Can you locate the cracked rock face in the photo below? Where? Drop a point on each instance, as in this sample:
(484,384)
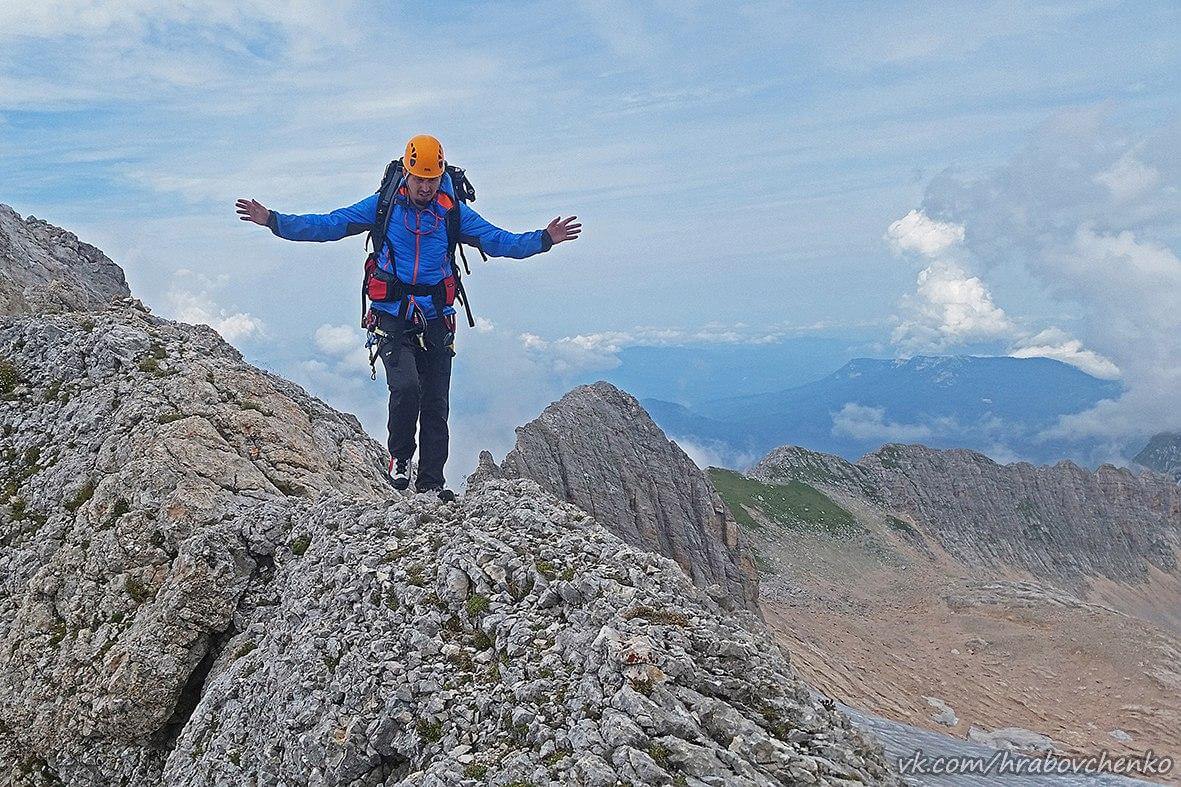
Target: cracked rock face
(596,447)
(1058,522)
(204,579)
(47,269)
(507,639)
(1163,454)
(134,454)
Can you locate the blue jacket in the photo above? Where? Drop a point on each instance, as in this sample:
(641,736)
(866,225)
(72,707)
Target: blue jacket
(417,236)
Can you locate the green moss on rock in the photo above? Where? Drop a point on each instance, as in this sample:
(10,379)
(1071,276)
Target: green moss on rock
(81,496)
(795,504)
(301,543)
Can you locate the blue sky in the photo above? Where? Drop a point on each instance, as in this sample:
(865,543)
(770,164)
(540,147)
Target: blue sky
(744,173)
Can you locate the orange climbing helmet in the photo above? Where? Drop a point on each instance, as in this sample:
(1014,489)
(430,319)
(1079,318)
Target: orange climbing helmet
(424,157)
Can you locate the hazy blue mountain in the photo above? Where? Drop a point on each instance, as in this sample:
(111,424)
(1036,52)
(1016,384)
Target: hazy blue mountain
(693,375)
(997,405)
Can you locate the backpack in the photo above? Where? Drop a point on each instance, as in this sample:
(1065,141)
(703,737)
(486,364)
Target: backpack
(378,285)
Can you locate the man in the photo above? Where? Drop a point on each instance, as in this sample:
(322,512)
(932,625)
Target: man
(415,320)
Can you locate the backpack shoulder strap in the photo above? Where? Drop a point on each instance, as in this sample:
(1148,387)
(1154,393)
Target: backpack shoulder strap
(454,246)
(390,180)
(385,202)
(464,192)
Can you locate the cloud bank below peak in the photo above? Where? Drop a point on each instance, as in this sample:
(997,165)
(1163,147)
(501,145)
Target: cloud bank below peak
(1089,212)
(952,307)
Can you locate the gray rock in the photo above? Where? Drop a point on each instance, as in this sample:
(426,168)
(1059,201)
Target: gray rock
(593,771)
(47,269)
(597,448)
(205,580)
(1060,523)
(1011,738)
(943,712)
(1162,454)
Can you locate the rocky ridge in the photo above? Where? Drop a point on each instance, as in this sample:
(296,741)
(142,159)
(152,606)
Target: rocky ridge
(47,269)
(1043,600)
(205,580)
(134,452)
(507,639)
(596,447)
(1060,523)
(1162,454)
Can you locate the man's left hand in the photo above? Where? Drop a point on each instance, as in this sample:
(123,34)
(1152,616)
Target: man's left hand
(563,229)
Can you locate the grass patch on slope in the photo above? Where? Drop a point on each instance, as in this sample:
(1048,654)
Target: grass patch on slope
(794,504)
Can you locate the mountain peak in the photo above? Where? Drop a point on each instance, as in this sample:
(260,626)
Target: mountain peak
(1162,454)
(998,404)
(597,447)
(47,269)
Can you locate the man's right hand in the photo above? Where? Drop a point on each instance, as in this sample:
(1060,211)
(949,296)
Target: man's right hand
(252,210)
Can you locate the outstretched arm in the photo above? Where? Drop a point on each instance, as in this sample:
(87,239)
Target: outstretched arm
(338,224)
(475,231)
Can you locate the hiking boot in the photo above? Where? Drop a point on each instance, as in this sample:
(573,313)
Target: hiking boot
(446,495)
(399,472)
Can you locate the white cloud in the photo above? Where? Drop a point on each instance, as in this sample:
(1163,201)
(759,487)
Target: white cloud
(574,355)
(706,455)
(338,339)
(1003,454)
(1084,208)
(950,307)
(1057,344)
(126,50)
(141,20)
(1125,422)
(916,232)
(198,309)
(1132,288)
(701,455)
(235,327)
(592,352)
(869,423)
(1120,260)
(1128,178)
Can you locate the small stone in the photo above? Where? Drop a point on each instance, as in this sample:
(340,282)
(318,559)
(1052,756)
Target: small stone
(457,585)
(944,714)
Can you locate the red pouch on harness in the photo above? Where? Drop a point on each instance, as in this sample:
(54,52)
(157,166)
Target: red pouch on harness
(375,288)
(449,283)
(378,289)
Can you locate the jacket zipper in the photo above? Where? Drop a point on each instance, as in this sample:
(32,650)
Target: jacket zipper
(417,241)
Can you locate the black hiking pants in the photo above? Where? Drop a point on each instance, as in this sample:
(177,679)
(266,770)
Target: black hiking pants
(419,379)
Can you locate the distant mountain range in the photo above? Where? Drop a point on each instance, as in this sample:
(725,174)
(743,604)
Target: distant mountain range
(997,405)
(701,373)
(915,580)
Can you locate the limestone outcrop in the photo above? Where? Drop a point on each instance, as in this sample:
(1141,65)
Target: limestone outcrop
(597,448)
(1162,454)
(204,579)
(47,269)
(1058,522)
